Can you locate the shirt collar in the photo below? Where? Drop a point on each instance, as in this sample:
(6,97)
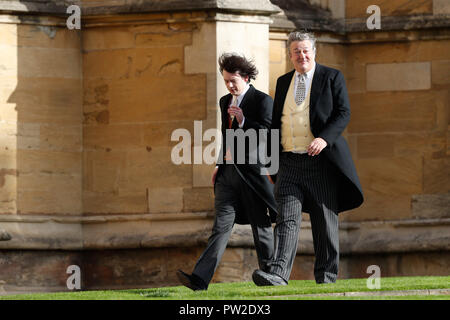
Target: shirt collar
(241,96)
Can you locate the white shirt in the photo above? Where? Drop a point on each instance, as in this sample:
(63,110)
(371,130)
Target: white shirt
(309,76)
(239,100)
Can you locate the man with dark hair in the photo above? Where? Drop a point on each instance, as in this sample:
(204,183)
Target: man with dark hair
(316,174)
(242,194)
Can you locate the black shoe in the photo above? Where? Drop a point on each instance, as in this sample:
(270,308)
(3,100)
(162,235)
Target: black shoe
(191,281)
(261,278)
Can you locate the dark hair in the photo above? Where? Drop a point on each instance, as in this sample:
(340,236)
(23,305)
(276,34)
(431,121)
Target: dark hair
(233,62)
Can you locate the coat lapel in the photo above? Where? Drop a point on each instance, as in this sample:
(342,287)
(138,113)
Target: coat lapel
(245,101)
(247,98)
(316,89)
(284,87)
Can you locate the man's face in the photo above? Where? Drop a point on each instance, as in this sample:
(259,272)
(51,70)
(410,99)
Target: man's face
(302,55)
(235,82)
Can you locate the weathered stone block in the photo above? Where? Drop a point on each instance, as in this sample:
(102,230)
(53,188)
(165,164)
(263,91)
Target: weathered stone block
(107,203)
(375,146)
(278,61)
(45,37)
(165,200)
(380,206)
(431,206)
(154,168)
(163,39)
(355,77)
(8,136)
(198,57)
(103,171)
(49,162)
(436,175)
(198,199)
(431,50)
(8,191)
(159,135)
(97,64)
(276,48)
(169,97)
(395,176)
(439,72)
(96,98)
(8,158)
(202,175)
(441,7)
(8,34)
(49,100)
(61,138)
(399,76)
(9,61)
(332,55)
(430,144)
(49,63)
(49,194)
(398,52)
(112,137)
(357,8)
(107,38)
(406,111)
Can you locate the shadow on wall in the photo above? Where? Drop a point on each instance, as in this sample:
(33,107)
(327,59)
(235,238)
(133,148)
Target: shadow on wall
(40,174)
(47,129)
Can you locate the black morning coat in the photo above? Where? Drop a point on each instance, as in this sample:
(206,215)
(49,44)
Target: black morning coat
(329,115)
(257,108)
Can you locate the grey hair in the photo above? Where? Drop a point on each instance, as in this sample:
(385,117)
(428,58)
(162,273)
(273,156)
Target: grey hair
(301,36)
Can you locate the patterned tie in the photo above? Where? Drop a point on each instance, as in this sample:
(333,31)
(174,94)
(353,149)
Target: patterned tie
(300,94)
(228,156)
(233,103)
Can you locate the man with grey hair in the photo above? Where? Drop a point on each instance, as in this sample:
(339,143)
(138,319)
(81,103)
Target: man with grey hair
(316,174)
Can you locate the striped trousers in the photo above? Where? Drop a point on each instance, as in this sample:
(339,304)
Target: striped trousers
(301,180)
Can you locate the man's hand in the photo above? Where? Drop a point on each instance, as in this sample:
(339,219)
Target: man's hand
(236,112)
(213,179)
(316,146)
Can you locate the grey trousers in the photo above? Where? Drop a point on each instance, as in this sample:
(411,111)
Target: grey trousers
(232,194)
(313,179)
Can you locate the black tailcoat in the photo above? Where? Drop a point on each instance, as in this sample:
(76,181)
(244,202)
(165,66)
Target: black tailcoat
(329,115)
(257,108)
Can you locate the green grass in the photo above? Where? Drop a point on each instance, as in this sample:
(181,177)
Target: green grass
(247,290)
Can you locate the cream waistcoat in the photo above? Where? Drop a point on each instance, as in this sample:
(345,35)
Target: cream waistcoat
(296,133)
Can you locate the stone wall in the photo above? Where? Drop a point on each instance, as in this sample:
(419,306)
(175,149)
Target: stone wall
(87,115)
(40,113)
(87,119)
